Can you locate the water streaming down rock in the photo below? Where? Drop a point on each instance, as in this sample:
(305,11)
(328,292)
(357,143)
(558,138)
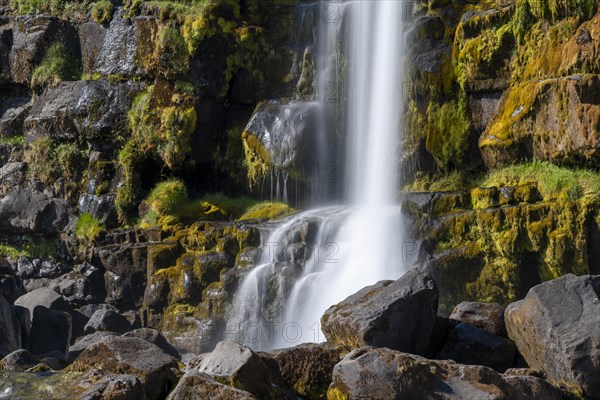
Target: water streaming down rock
(319,257)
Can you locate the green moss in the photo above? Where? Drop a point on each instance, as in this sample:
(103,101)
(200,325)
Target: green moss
(102,11)
(267,210)
(13,140)
(29,248)
(168,197)
(88,227)
(448,132)
(65,9)
(56,66)
(173,57)
(163,121)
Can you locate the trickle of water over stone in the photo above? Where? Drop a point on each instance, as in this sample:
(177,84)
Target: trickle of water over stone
(317,258)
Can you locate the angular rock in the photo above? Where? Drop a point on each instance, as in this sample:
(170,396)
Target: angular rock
(242,368)
(487,316)
(114,387)
(153,336)
(397,314)
(88,109)
(369,373)
(307,368)
(11,287)
(84,342)
(108,321)
(28,211)
(196,385)
(10,331)
(470,345)
(50,331)
(32,35)
(19,361)
(132,356)
(557,330)
(42,297)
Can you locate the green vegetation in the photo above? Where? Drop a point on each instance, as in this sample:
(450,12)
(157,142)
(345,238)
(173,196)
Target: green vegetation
(56,66)
(162,122)
(448,132)
(267,210)
(29,248)
(49,161)
(65,9)
(13,140)
(167,197)
(102,11)
(88,227)
(553,182)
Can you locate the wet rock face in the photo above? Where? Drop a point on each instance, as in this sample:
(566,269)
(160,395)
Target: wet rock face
(388,374)
(557,330)
(112,50)
(93,110)
(31,36)
(398,314)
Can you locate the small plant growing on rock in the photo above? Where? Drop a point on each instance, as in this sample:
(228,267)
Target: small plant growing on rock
(167,197)
(102,11)
(57,65)
(88,227)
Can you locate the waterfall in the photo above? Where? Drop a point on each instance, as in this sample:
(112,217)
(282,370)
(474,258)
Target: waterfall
(317,258)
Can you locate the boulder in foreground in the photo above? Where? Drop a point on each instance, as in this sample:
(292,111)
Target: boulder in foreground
(557,330)
(370,373)
(400,315)
(132,356)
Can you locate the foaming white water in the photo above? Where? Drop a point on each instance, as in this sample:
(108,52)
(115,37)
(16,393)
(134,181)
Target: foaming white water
(280,303)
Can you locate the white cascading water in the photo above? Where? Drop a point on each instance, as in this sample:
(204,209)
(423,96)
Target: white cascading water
(357,245)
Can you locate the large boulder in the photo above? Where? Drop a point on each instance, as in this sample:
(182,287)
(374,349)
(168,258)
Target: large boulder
(111,50)
(369,373)
(196,385)
(10,332)
(239,366)
(399,314)
(42,297)
(307,368)
(153,336)
(29,211)
(487,316)
(470,345)
(108,321)
(19,361)
(51,330)
(557,330)
(132,356)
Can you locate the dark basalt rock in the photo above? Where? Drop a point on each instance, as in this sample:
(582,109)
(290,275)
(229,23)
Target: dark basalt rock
(196,385)
(89,109)
(29,211)
(153,336)
(50,331)
(398,314)
(10,332)
(133,356)
(487,316)
(19,361)
(470,345)
(557,330)
(243,368)
(307,368)
(31,36)
(108,321)
(369,373)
